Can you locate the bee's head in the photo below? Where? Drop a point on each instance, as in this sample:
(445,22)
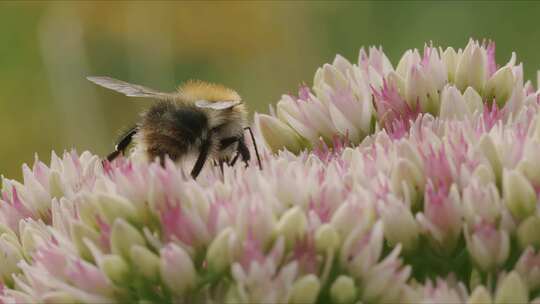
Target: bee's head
(223,106)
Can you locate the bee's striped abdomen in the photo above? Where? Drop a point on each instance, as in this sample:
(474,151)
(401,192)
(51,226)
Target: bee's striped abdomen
(173,130)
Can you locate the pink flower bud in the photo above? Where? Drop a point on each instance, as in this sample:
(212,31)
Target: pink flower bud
(177,270)
(488,246)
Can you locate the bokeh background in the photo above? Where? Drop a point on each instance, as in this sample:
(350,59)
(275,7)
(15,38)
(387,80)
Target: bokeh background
(262,49)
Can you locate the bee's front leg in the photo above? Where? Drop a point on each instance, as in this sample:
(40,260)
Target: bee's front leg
(235,158)
(122,144)
(243,151)
(222,163)
(203,156)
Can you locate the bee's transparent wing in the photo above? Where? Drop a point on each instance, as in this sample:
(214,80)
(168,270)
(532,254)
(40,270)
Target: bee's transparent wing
(217,105)
(126,88)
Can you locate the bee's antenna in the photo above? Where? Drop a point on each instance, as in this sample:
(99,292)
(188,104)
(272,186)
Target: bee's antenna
(255,146)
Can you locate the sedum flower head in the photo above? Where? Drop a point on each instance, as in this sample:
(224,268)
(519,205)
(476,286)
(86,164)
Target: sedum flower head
(416,182)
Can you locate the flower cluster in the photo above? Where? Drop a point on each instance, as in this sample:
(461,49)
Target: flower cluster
(420,184)
(355,100)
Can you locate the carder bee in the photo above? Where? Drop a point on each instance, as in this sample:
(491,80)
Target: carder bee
(202,119)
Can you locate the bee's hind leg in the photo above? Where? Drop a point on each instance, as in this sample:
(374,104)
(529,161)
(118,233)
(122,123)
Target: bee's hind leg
(122,144)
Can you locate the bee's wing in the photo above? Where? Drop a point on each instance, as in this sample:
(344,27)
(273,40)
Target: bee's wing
(128,89)
(217,105)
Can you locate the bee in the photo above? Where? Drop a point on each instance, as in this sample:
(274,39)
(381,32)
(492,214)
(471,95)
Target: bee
(202,119)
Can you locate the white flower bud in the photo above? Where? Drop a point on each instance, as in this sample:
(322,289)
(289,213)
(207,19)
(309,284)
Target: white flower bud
(527,232)
(360,256)
(536,121)
(13,240)
(490,151)
(79,232)
(5,229)
(326,238)
(32,238)
(56,186)
(292,225)
(123,237)
(344,220)
(10,255)
(512,290)
(114,206)
(400,225)
(473,100)
(406,172)
(88,207)
(481,200)
(480,295)
(530,162)
(147,262)
(115,267)
(218,254)
(453,105)
(500,86)
(331,76)
(408,59)
(277,134)
(484,175)
(472,68)
(475,279)
(305,290)
(450,59)
(421,88)
(233,296)
(58,297)
(518,194)
(343,125)
(343,290)
(395,80)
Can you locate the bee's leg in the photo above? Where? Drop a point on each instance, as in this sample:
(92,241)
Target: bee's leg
(243,151)
(122,144)
(224,144)
(233,161)
(255,146)
(221,163)
(203,155)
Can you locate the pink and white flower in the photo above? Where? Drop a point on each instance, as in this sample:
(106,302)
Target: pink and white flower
(375,180)
(528,267)
(442,216)
(488,246)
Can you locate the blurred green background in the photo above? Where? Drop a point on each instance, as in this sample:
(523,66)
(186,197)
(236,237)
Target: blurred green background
(262,49)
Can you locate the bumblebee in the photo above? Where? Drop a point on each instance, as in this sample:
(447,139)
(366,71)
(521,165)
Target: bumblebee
(202,119)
